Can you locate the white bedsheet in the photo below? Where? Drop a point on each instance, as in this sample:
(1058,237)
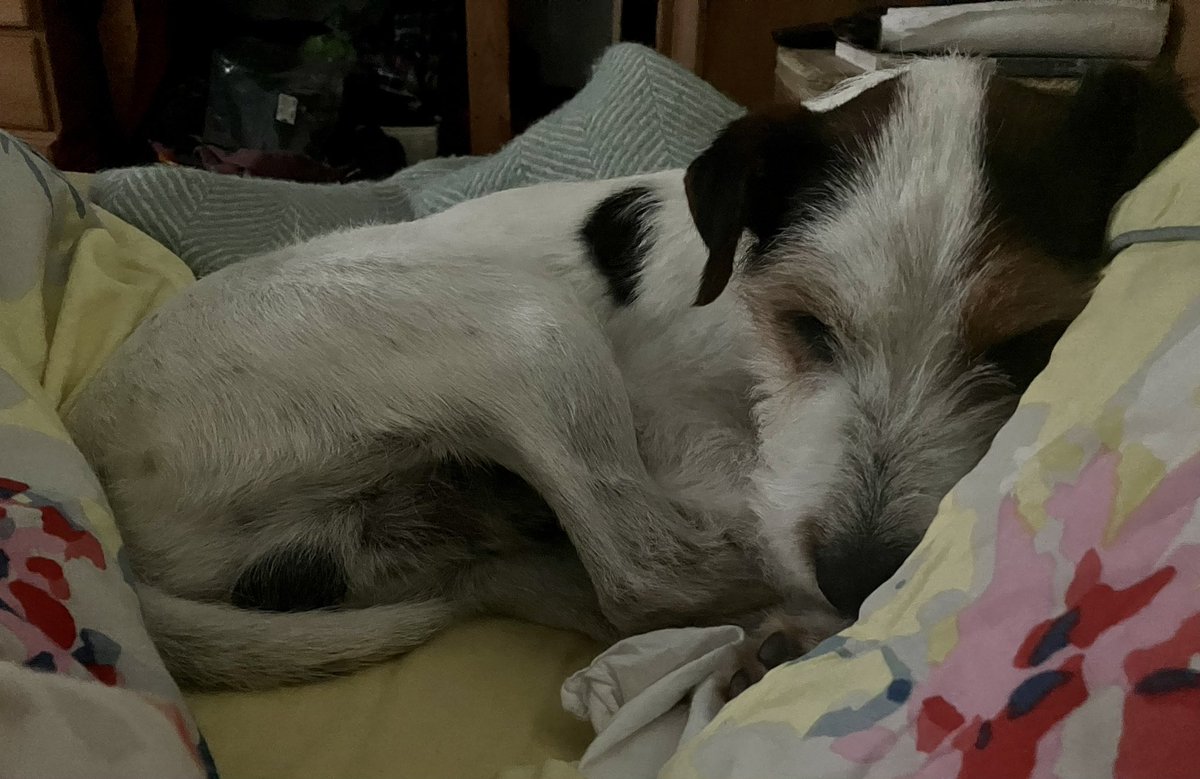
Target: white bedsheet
(648,694)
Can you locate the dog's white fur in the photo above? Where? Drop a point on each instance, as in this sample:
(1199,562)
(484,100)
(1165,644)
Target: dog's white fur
(891,254)
(489,303)
(684,453)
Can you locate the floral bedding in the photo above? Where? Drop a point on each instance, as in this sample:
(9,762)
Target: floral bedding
(82,690)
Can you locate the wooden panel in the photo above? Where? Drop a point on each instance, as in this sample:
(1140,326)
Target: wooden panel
(77,86)
(688,25)
(22,103)
(663,23)
(135,40)
(13,14)
(488,74)
(1186,39)
(739,52)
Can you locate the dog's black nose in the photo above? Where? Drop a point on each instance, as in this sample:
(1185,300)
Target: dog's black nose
(850,570)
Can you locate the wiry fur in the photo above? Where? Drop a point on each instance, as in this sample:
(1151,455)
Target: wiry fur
(398,424)
(887,263)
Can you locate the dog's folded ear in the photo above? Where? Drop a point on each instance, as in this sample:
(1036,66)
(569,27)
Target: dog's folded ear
(748,179)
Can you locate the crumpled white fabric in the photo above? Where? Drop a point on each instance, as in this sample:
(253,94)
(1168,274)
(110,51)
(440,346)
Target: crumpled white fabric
(648,694)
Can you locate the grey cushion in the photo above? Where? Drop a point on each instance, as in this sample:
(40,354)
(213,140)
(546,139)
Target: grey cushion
(640,112)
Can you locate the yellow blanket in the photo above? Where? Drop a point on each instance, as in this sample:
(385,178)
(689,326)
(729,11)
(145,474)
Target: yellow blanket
(484,696)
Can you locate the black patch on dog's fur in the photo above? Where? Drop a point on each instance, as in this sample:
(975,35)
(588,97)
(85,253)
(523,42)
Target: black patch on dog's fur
(291,579)
(1057,164)
(1022,357)
(760,171)
(767,171)
(617,236)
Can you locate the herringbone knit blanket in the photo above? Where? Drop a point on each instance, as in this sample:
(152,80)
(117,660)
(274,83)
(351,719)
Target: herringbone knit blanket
(639,113)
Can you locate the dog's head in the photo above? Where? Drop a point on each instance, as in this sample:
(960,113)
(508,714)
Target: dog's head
(909,258)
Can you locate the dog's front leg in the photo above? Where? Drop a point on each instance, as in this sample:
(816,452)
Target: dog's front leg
(651,566)
(565,425)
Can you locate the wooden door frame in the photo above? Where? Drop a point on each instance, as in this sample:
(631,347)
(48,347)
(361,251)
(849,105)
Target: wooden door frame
(488,93)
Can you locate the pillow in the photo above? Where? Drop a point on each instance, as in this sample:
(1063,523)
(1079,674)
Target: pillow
(1048,625)
(83,691)
(640,112)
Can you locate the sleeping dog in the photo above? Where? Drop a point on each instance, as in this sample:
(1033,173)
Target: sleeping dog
(731,393)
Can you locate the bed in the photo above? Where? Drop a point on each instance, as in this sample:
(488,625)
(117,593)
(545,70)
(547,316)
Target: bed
(1048,624)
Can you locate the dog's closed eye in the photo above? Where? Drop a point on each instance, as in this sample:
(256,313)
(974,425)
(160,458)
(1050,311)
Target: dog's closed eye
(817,336)
(1024,356)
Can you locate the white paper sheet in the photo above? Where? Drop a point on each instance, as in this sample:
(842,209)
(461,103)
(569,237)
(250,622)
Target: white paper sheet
(1131,29)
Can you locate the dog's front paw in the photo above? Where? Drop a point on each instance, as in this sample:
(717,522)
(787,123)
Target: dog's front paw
(780,637)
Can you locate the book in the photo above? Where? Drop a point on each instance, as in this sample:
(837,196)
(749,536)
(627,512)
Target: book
(1013,66)
(1115,29)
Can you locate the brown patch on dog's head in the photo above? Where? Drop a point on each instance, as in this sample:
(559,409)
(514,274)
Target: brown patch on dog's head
(1020,302)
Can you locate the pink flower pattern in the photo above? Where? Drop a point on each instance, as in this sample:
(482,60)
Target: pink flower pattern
(1030,653)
